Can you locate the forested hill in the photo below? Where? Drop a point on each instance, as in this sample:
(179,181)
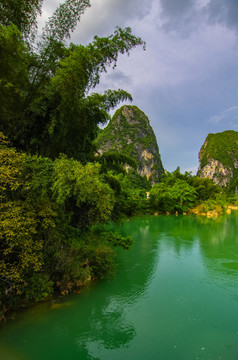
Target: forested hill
(130,132)
(218,157)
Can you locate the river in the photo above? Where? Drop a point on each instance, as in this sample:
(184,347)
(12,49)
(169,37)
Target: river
(174,296)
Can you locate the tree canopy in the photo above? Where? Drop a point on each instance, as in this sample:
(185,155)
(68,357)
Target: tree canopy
(51,195)
(180,192)
(22,13)
(47,102)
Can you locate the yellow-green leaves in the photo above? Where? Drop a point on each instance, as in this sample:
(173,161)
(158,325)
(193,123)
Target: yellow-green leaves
(10,169)
(20,250)
(46,212)
(23,219)
(83,184)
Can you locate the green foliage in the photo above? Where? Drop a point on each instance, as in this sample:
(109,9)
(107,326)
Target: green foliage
(64,19)
(178,197)
(10,169)
(14,78)
(232,189)
(24,222)
(130,133)
(20,249)
(132,198)
(180,192)
(212,205)
(101,262)
(129,187)
(47,212)
(22,13)
(39,286)
(82,187)
(222,147)
(116,162)
(48,201)
(45,106)
(116,239)
(47,209)
(205,188)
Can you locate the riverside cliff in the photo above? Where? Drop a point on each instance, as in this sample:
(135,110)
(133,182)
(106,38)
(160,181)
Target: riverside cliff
(218,157)
(130,132)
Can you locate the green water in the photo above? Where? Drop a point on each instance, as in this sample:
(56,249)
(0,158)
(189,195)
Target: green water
(174,296)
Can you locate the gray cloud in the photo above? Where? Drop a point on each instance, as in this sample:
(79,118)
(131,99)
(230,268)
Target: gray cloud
(224,12)
(182,16)
(187,74)
(114,79)
(175,8)
(103,16)
(185,15)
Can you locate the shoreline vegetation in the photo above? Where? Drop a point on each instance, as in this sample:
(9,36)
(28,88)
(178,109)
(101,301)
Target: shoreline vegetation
(199,210)
(54,300)
(55,195)
(51,248)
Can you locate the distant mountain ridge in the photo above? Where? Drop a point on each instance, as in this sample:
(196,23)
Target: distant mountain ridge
(130,132)
(218,157)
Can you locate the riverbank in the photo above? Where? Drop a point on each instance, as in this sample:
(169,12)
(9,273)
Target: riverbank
(163,303)
(10,313)
(212,213)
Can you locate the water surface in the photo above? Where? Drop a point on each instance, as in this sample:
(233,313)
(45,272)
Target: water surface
(174,296)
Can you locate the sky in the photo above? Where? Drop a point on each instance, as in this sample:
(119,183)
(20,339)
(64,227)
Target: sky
(186,81)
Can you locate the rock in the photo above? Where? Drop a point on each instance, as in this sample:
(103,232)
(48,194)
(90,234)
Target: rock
(218,157)
(130,132)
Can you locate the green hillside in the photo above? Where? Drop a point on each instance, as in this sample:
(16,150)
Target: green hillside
(130,132)
(221,146)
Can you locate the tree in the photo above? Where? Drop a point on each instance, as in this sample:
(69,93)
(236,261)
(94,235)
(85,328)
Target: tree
(183,196)
(48,204)
(22,13)
(160,199)
(174,193)
(21,226)
(205,188)
(47,212)
(82,192)
(68,121)
(55,112)
(14,78)
(179,192)
(116,162)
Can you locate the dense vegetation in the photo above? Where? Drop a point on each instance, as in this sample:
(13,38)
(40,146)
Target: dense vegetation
(54,193)
(180,192)
(220,146)
(129,131)
(47,105)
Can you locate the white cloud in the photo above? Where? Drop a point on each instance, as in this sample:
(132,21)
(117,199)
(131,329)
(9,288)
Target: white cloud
(229,115)
(49,6)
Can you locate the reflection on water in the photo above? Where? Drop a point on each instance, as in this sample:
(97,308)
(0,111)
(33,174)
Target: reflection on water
(175,296)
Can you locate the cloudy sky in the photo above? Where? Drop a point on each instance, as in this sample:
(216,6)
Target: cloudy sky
(186,81)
